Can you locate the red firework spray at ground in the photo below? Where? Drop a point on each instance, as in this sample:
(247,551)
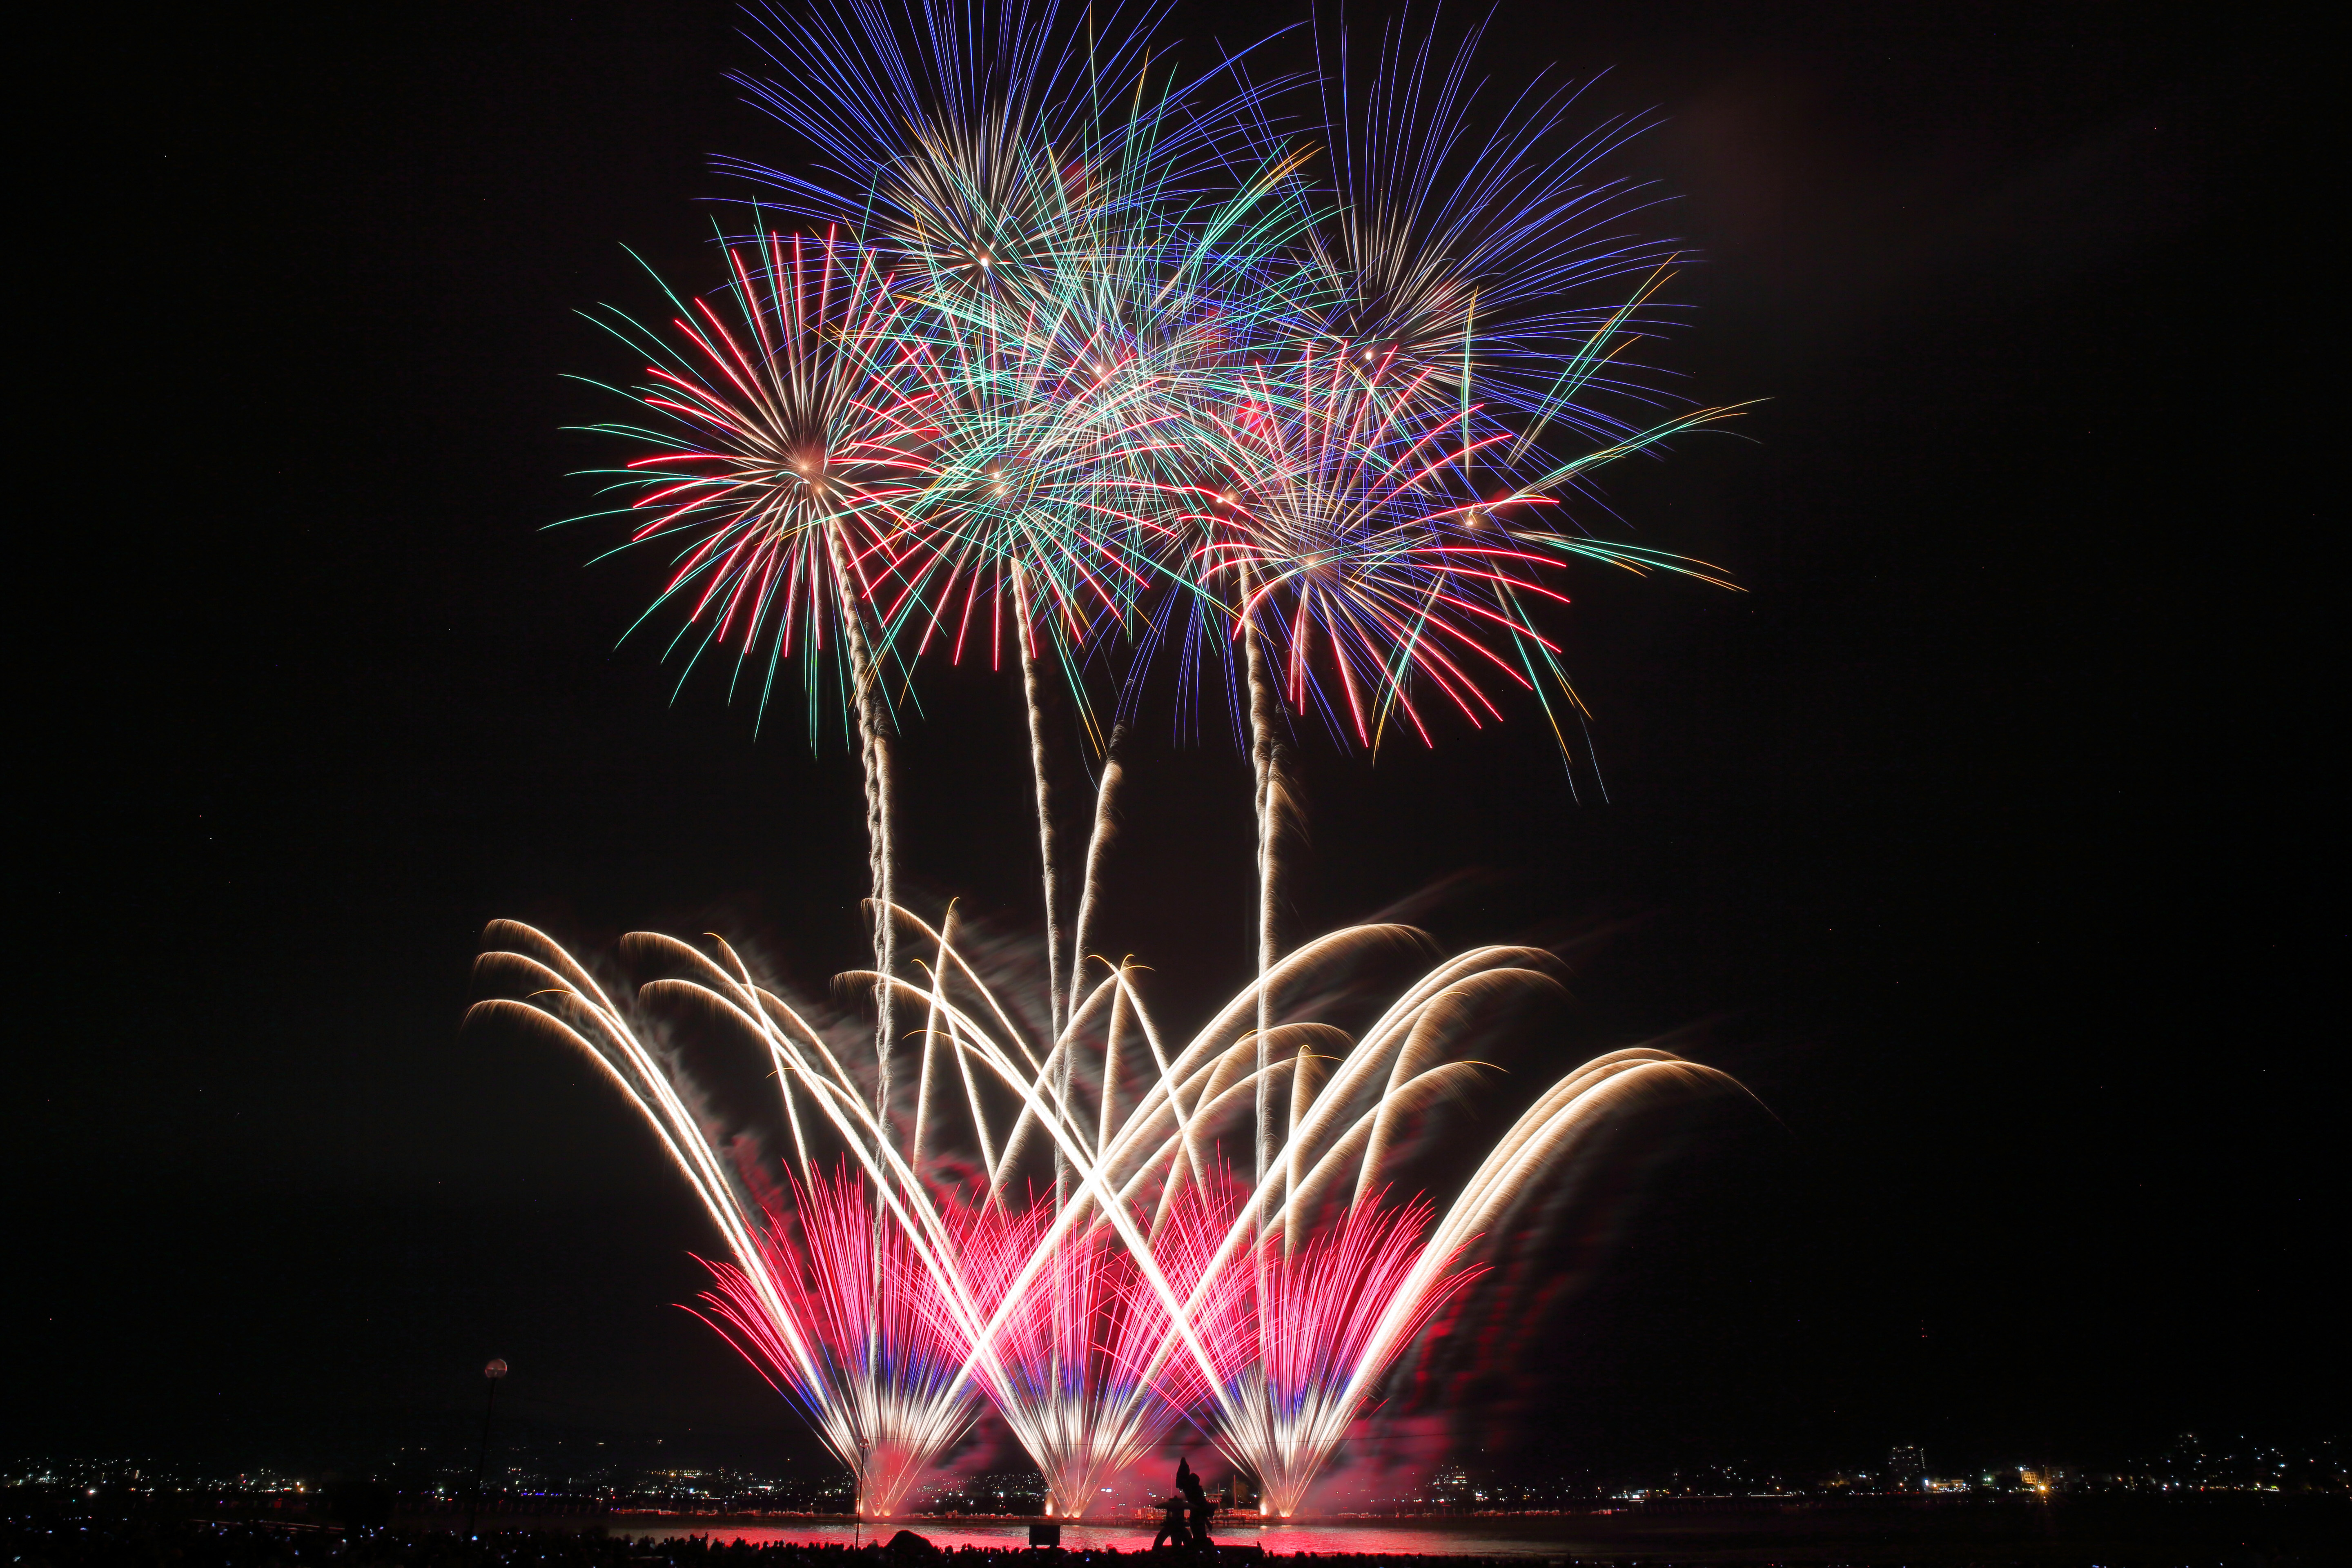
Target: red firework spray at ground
(889,1281)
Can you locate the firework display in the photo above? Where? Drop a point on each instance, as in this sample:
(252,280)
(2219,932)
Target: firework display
(899,1272)
(1057,358)
(1093,365)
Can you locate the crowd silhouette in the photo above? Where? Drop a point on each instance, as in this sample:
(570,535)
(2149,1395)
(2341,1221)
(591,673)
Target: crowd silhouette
(1184,1518)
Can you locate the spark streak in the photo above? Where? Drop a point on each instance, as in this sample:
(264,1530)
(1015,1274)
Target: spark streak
(884,1291)
(1104,346)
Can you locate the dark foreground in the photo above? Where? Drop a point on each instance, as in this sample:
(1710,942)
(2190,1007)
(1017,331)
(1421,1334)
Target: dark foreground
(2265,1533)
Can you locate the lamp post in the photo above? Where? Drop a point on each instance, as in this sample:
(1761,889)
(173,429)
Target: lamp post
(495,1371)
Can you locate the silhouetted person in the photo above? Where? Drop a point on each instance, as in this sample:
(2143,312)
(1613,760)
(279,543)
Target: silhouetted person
(1171,1525)
(1197,1497)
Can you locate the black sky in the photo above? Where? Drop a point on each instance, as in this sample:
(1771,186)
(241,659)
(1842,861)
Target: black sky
(1983,836)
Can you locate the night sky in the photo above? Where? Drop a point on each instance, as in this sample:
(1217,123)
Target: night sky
(1982,835)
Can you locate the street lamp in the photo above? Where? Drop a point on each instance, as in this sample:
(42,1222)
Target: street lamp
(493,1373)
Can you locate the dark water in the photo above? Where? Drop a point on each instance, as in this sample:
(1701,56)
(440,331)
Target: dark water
(2077,1533)
(1536,1538)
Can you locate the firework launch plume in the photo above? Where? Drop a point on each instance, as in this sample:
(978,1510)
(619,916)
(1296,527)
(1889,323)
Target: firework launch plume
(1114,364)
(1149,1286)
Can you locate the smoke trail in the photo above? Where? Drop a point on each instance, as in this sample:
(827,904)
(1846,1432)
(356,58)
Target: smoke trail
(1106,793)
(1261,693)
(1057,1005)
(874,755)
(1033,693)
(1113,772)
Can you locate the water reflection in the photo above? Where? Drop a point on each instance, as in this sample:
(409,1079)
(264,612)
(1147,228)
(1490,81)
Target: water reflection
(1536,1538)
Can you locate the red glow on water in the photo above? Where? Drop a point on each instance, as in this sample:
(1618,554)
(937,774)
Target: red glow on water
(1542,1538)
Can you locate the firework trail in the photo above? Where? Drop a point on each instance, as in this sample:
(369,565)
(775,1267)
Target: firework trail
(1479,243)
(789,424)
(863,1297)
(1062,206)
(1319,1312)
(792,439)
(1104,360)
(1039,772)
(1074,1337)
(1119,302)
(881,1300)
(823,1315)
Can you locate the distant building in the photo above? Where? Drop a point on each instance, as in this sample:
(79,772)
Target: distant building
(1906,1468)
